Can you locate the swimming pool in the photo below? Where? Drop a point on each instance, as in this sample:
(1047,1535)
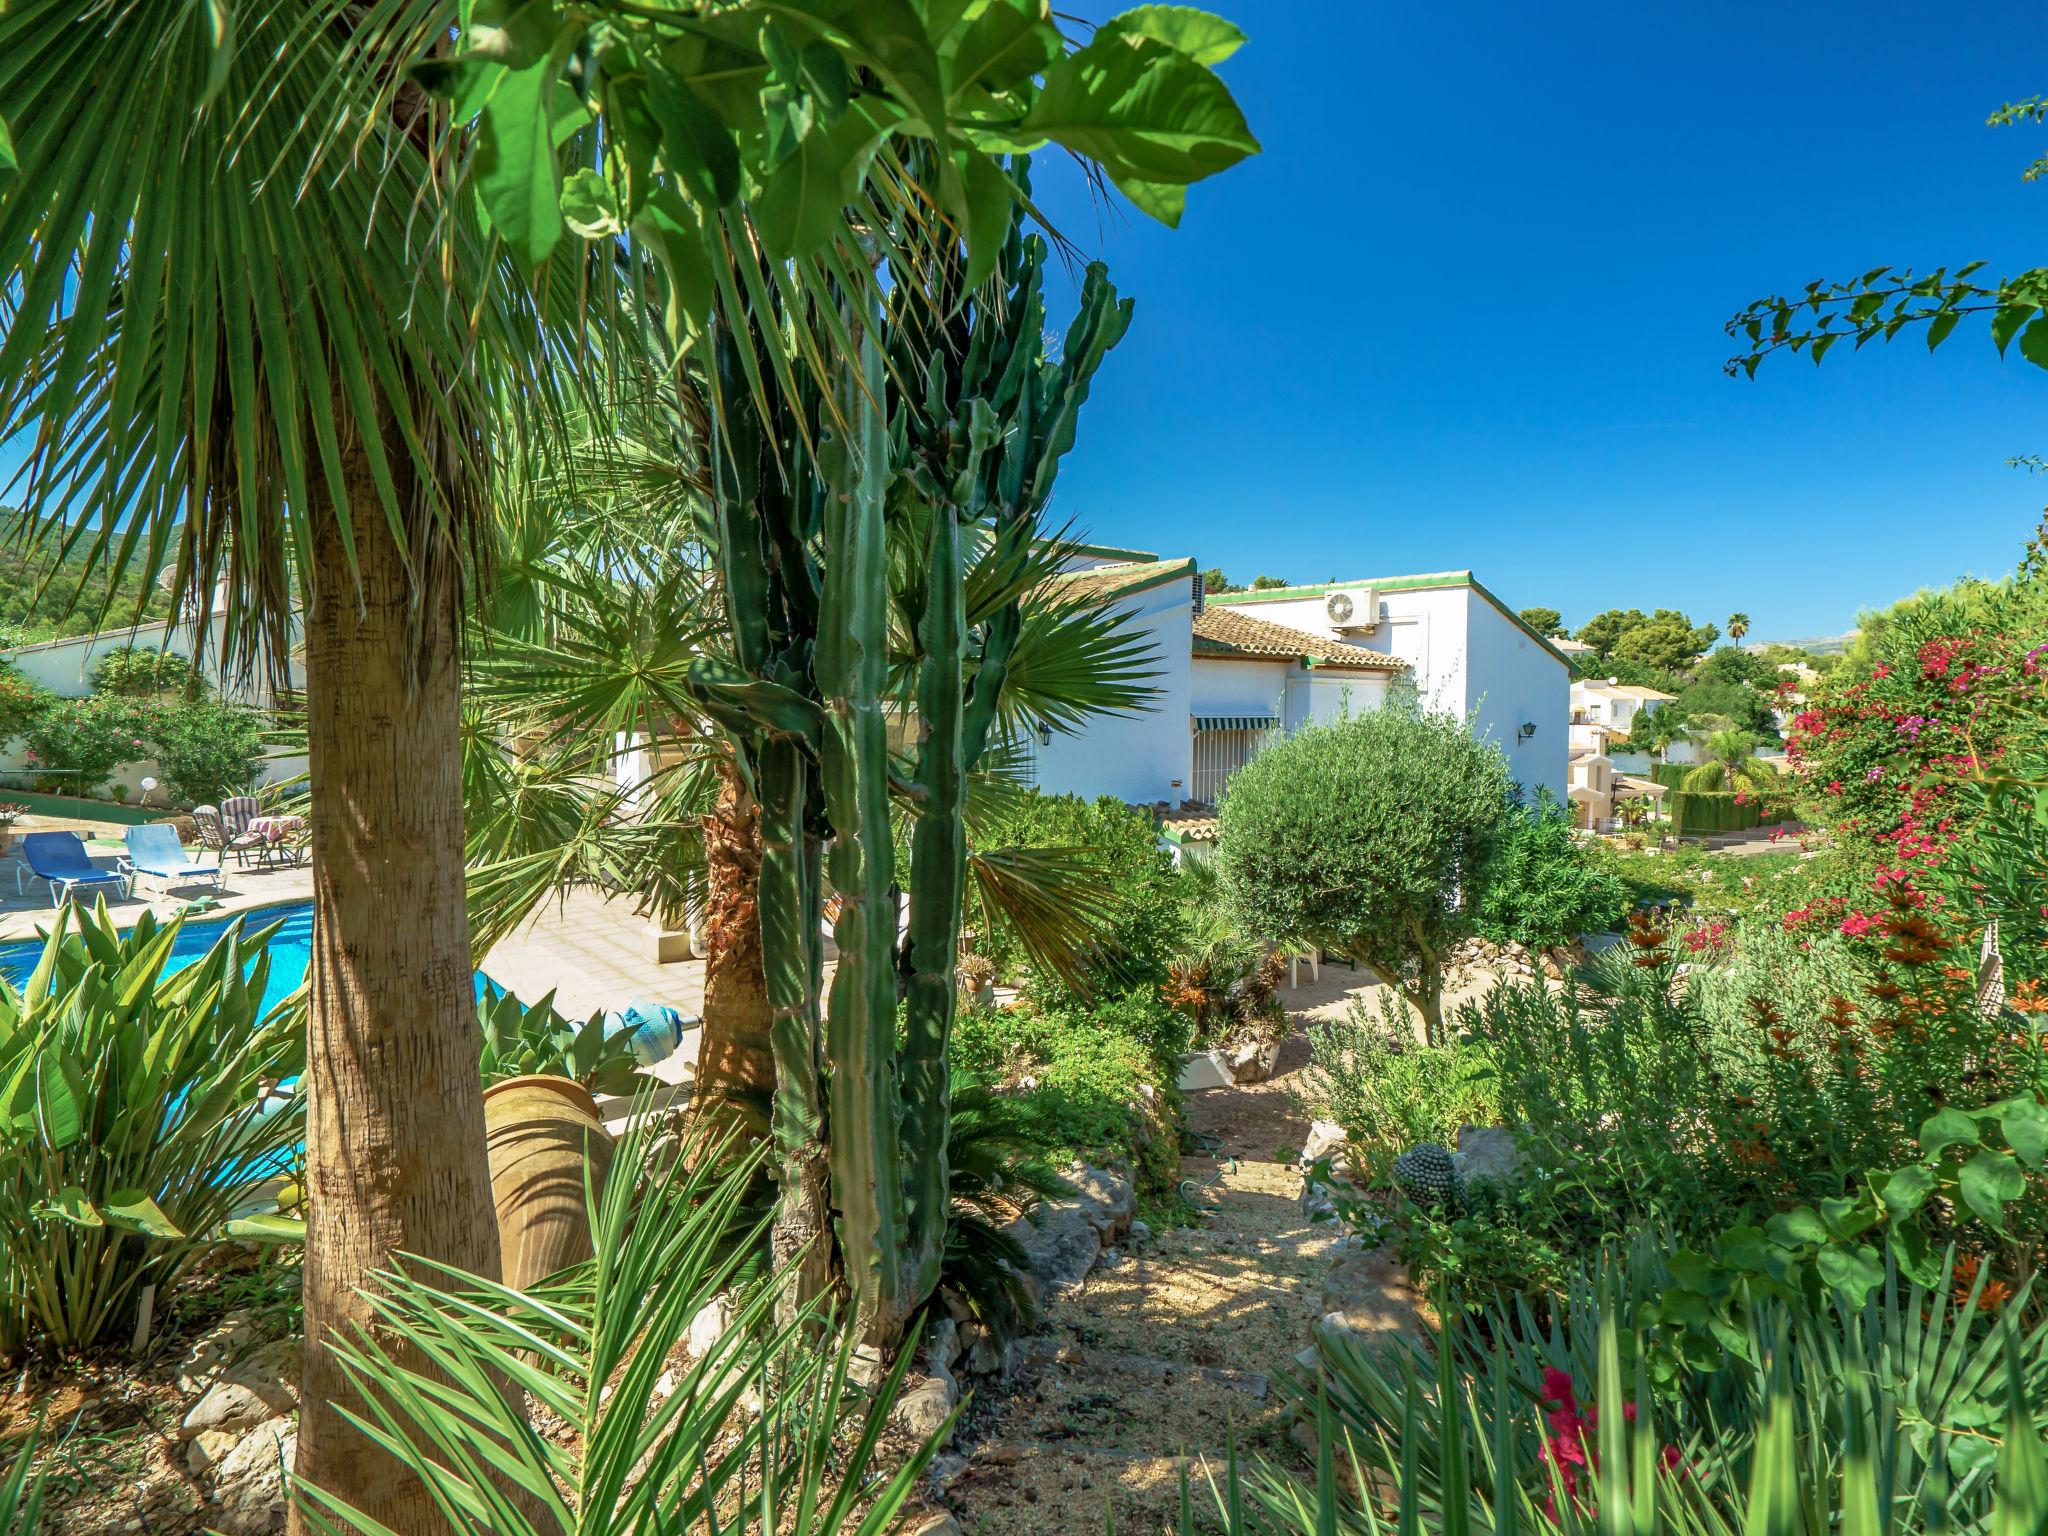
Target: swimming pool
(290,949)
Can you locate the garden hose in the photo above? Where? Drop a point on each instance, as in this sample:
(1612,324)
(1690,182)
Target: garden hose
(1196,1191)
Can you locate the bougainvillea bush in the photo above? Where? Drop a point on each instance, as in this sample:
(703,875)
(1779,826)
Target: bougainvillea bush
(1928,755)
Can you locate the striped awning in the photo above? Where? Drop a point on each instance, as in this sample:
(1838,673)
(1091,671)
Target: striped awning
(1234,722)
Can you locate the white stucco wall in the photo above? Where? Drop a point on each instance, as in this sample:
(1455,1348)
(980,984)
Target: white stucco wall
(1464,655)
(1515,682)
(1223,686)
(65,666)
(1147,755)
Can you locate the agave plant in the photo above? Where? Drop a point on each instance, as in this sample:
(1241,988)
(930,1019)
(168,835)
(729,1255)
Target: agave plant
(135,1116)
(521,1039)
(764,1431)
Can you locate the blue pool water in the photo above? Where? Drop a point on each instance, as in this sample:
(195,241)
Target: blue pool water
(290,948)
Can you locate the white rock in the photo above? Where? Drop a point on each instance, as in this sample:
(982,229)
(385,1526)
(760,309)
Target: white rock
(211,1351)
(1203,1070)
(1487,1154)
(1140,1232)
(942,1343)
(249,1481)
(209,1446)
(939,1524)
(1108,1198)
(261,1385)
(1253,1061)
(922,1408)
(709,1326)
(1324,1138)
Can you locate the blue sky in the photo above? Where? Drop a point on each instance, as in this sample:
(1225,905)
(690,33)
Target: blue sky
(1466,309)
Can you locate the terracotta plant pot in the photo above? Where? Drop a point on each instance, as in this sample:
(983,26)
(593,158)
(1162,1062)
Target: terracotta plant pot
(542,1132)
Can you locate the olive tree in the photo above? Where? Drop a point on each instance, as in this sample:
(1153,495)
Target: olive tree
(1367,835)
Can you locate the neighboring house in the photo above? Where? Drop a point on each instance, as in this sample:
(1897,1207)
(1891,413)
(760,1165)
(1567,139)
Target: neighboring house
(1253,678)
(1613,704)
(1569,647)
(1465,651)
(1599,790)
(1143,757)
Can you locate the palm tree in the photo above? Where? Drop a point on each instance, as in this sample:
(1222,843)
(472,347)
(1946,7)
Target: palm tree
(246,357)
(1737,626)
(1731,764)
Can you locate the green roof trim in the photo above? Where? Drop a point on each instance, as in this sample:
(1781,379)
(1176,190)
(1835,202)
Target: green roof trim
(1398,584)
(1145,580)
(1111,552)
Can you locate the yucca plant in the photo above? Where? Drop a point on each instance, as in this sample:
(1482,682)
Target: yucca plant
(1623,1477)
(133,1116)
(765,1432)
(21,1493)
(1900,1410)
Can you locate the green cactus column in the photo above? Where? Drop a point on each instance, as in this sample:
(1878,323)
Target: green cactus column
(850,663)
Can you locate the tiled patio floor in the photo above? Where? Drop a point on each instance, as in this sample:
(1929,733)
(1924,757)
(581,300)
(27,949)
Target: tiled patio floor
(591,953)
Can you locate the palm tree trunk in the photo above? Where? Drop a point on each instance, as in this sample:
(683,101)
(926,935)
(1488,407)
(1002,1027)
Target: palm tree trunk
(395,1146)
(735,1080)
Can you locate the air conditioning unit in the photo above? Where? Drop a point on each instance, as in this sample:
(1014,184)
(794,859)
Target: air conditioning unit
(1354,610)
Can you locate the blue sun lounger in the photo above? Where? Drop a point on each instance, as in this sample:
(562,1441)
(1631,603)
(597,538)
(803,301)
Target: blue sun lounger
(61,859)
(155,851)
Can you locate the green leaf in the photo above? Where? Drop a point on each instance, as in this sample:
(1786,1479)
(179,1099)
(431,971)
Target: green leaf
(60,1098)
(672,228)
(1205,38)
(1939,327)
(1854,1269)
(1794,1227)
(2034,342)
(989,195)
(800,207)
(268,1229)
(998,47)
(590,206)
(1847,1217)
(135,1210)
(219,21)
(1745,1247)
(69,1204)
(1162,199)
(1951,1127)
(1989,1181)
(1145,111)
(2006,323)
(696,144)
(517,178)
(2025,1123)
(1916,1261)
(8,164)
(1907,1190)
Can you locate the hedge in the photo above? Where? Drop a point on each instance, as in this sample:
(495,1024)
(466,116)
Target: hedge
(1702,813)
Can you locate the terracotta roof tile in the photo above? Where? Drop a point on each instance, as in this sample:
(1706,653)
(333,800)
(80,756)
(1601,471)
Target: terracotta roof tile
(1230,632)
(1106,581)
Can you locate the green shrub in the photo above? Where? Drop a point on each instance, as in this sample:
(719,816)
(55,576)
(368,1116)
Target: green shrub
(1388,1091)
(1119,847)
(1093,1072)
(1366,836)
(82,741)
(206,750)
(131,1118)
(21,701)
(137,672)
(1541,886)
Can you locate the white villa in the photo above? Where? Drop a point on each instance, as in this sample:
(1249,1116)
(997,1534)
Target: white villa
(1607,707)
(1241,668)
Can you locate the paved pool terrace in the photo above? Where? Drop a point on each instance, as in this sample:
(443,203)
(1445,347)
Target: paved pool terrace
(592,953)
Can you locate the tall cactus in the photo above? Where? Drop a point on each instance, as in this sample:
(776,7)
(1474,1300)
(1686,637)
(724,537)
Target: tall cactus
(942,437)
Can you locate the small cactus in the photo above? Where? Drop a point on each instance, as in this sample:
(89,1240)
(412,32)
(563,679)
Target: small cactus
(1427,1175)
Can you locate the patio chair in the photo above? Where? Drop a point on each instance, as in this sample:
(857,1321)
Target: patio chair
(214,834)
(60,858)
(237,811)
(155,851)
